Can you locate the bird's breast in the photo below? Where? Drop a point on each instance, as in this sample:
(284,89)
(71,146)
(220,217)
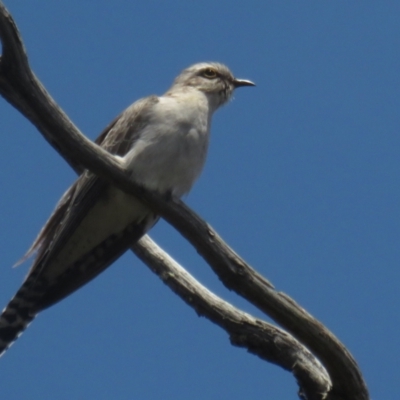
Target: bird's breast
(171,150)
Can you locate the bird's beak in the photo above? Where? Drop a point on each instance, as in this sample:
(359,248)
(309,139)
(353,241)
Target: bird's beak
(242,82)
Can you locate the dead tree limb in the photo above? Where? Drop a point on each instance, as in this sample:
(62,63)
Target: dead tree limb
(258,337)
(20,87)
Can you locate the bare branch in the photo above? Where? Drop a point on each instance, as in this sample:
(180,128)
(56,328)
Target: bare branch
(19,86)
(259,337)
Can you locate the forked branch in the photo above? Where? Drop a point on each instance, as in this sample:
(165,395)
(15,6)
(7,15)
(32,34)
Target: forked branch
(20,87)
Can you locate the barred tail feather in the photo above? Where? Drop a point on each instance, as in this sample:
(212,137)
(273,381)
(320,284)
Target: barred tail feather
(15,318)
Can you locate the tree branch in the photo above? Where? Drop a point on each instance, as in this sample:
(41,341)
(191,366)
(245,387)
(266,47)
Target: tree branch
(258,337)
(20,87)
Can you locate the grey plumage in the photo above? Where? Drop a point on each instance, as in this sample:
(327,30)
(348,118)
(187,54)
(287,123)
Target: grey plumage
(162,141)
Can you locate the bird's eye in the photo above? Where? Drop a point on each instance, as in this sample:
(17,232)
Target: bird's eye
(210,73)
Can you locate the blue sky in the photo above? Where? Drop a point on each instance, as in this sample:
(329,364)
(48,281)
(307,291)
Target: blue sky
(302,180)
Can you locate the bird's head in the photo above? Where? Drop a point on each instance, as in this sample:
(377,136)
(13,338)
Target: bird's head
(214,79)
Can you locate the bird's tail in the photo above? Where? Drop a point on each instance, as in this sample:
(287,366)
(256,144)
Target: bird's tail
(15,318)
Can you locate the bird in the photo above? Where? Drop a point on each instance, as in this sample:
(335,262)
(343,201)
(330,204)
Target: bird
(162,142)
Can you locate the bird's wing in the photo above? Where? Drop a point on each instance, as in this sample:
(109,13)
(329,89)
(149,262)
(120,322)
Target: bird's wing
(76,203)
(117,138)
(67,255)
